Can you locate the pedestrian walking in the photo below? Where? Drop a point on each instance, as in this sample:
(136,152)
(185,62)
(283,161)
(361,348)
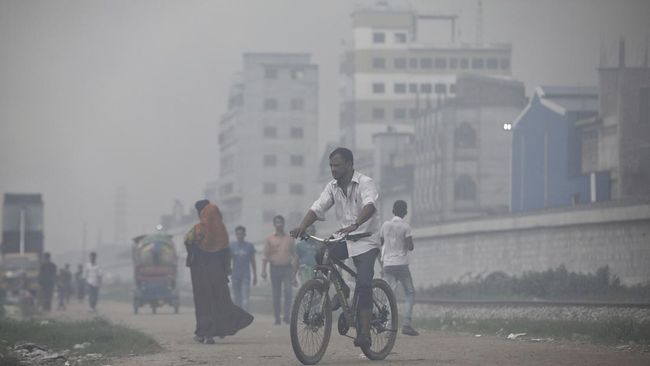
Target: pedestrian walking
(397,241)
(243,261)
(46,281)
(279,250)
(80,283)
(63,280)
(209,262)
(93,275)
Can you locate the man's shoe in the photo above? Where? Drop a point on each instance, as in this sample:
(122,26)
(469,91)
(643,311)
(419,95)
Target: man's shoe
(209,340)
(408,330)
(199,339)
(362,341)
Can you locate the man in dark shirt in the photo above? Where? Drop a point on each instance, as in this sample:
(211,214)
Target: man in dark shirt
(46,280)
(243,259)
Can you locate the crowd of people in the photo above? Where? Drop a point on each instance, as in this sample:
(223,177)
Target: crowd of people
(213,259)
(85,281)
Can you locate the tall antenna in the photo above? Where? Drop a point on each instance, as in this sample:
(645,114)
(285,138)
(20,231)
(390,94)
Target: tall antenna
(120,216)
(479,23)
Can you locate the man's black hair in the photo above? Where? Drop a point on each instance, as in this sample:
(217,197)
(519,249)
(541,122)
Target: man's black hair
(240,228)
(345,153)
(399,207)
(278,217)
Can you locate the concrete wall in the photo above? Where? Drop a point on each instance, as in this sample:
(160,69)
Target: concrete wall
(582,239)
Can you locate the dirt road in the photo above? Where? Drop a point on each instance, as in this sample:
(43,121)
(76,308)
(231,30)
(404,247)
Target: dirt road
(263,343)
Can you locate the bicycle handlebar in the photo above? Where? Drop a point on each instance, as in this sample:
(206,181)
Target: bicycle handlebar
(333,239)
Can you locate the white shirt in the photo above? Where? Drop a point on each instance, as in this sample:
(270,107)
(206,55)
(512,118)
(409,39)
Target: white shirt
(395,232)
(93,274)
(361,191)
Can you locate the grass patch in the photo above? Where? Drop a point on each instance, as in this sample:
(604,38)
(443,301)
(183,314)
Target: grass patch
(614,330)
(104,337)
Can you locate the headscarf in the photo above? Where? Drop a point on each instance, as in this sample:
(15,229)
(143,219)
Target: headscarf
(210,231)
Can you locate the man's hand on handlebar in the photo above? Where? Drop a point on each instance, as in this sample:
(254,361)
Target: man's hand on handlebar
(348,229)
(297,233)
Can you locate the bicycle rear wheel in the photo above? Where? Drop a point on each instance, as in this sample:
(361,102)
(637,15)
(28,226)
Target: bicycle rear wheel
(311,323)
(383,323)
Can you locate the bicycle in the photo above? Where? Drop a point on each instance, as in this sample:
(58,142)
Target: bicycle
(311,314)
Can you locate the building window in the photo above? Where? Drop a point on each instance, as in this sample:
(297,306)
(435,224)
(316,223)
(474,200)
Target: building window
(425,88)
(464,188)
(226,189)
(452,88)
(644,105)
(413,113)
(297,160)
(270,104)
(492,63)
(464,63)
(271,73)
(478,63)
(400,37)
(296,188)
(297,104)
(400,63)
(413,88)
(413,63)
(270,132)
(378,63)
(505,64)
(399,113)
(378,113)
(465,136)
(297,74)
(270,160)
(453,63)
(378,88)
(378,37)
(441,88)
(399,88)
(440,63)
(268,215)
(426,63)
(296,132)
(269,188)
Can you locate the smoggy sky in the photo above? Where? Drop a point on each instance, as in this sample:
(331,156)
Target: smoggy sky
(100,94)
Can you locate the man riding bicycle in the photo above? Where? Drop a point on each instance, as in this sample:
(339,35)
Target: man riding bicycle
(353,196)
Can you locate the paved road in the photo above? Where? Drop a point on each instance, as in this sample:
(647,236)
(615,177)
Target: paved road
(263,343)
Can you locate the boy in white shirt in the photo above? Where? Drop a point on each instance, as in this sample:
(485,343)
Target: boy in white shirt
(397,241)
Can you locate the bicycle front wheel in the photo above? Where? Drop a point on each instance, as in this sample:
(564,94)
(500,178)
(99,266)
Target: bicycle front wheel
(311,322)
(383,323)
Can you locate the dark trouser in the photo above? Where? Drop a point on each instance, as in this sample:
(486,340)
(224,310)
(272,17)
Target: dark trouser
(93,295)
(47,291)
(365,265)
(281,276)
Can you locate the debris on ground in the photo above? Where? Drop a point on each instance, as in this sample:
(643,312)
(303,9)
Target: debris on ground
(36,354)
(514,336)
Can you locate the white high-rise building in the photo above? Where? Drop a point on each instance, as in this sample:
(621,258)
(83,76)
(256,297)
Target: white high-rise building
(268,143)
(396,57)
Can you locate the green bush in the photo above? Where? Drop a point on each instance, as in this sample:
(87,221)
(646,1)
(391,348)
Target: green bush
(552,284)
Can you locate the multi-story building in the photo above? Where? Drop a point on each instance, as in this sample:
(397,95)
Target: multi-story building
(389,64)
(462,152)
(618,139)
(268,142)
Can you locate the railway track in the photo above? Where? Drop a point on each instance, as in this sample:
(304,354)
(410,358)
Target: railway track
(533,303)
